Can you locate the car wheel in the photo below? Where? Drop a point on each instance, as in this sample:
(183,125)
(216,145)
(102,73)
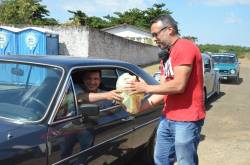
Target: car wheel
(218,89)
(237,79)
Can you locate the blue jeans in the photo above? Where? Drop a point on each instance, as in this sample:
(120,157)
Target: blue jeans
(177,140)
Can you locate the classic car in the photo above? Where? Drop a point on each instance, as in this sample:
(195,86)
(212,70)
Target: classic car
(211,77)
(227,65)
(42,123)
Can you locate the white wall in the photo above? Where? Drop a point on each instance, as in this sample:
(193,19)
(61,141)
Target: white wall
(73,41)
(106,45)
(86,42)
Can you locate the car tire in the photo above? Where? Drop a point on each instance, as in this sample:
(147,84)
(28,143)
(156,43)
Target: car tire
(237,79)
(218,89)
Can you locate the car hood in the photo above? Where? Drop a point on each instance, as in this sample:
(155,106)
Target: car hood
(10,130)
(224,66)
(6,126)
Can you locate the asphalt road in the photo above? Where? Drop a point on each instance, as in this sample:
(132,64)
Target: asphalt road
(226,133)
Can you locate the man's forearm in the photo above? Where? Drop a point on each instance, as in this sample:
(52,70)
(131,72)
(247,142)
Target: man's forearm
(90,97)
(151,102)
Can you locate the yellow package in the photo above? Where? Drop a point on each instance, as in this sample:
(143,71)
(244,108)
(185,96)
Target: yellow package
(132,103)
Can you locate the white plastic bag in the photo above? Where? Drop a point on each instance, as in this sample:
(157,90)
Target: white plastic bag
(132,103)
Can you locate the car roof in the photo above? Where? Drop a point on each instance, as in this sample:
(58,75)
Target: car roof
(223,54)
(66,62)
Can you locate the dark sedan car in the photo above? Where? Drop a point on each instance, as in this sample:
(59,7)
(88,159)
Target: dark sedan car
(42,123)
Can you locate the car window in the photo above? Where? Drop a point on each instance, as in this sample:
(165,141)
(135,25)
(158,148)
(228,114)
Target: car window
(68,106)
(224,59)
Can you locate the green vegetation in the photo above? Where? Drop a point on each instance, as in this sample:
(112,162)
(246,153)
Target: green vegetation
(240,51)
(135,17)
(30,12)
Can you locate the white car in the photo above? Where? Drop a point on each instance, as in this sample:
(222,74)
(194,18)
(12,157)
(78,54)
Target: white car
(211,77)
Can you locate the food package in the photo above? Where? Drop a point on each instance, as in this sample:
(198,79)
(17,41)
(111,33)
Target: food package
(132,103)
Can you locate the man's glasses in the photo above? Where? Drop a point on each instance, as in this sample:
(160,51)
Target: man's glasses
(157,33)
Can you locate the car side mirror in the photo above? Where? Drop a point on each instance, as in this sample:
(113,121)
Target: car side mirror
(89,110)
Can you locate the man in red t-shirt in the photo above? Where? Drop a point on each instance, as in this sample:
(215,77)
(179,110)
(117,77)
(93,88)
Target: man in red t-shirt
(181,88)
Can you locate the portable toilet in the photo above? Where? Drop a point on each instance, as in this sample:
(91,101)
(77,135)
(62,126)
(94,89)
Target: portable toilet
(8,40)
(37,41)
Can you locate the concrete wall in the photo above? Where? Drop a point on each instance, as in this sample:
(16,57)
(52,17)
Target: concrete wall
(106,45)
(86,42)
(73,41)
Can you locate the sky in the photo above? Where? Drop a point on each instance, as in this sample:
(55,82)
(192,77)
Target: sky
(224,22)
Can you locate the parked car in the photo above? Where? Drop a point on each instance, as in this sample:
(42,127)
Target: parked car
(42,123)
(211,77)
(227,65)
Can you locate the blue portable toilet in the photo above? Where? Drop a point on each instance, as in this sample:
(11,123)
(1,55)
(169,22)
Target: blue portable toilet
(37,41)
(8,40)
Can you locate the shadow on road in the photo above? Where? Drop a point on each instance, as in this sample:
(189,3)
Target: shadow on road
(213,99)
(203,137)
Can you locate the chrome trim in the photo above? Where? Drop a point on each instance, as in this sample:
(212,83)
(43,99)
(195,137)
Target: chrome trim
(110,108)
(67,119)
(59,101)
(147,123)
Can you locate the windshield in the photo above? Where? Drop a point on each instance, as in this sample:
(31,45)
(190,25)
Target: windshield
(26,90)
(224,59)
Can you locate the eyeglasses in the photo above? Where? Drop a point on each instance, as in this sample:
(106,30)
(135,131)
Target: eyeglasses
(157,33)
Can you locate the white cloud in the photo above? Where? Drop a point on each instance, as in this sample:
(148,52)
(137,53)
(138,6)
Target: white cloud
(232,19)
(223,2)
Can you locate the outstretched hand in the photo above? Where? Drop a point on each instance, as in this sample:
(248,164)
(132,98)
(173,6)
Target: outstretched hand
(136,87)
(113,95)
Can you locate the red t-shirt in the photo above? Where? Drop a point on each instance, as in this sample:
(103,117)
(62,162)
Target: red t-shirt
(187,106)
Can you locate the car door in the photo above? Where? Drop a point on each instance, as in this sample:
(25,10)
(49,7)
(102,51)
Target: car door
(112,128)
(67,133)
(145,123)
(208,75)
(214,76)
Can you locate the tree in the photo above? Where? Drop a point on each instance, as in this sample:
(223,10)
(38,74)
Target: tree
(192,38)
(79,17)
(135,17)
(24,12)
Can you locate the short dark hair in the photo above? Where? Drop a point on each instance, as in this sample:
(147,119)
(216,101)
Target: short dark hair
(167,20)
(92,71)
